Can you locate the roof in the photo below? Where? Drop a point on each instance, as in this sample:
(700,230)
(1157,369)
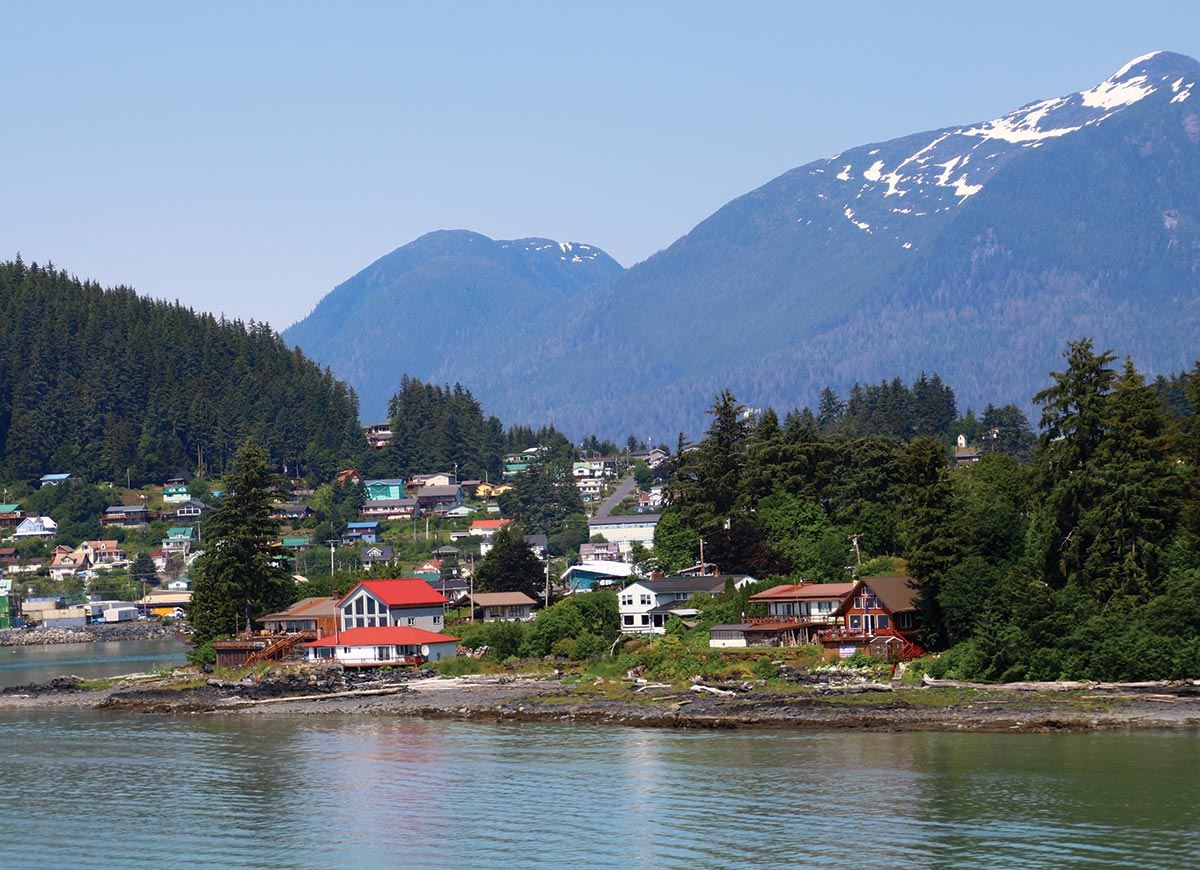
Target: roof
(501,599)
(373,524)
(483,525)
(55,477)
(686,584)
(388,635)
(624,518)
(403,592)
(608,569)
(805,592)
(305,608)
(9,508)
(895,591)
(385,481)
(440,491)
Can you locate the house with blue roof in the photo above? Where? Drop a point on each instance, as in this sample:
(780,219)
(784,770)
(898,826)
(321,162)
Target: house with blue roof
(361,533)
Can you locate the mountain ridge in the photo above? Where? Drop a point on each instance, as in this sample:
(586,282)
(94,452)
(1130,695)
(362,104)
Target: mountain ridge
(975,250)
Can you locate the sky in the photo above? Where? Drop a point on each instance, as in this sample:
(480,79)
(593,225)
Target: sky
(245,158)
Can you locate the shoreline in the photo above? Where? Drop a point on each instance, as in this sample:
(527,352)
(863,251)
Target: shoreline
(537,698)
(142,629)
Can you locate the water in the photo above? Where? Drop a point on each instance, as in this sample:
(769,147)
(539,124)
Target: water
(119,791)
(22,665)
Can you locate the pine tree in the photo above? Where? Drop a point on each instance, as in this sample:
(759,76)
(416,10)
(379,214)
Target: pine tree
(240,576)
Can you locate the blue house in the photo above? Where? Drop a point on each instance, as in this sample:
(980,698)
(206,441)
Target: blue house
(390,489)
(361,533)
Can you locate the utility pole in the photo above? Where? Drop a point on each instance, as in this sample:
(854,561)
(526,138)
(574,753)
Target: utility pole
(857,554)
(332,542)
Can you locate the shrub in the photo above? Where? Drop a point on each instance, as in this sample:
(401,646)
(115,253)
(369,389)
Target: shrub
(765,669)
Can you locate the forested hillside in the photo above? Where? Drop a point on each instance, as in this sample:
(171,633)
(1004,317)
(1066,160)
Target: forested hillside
(108,385)
(1081,563)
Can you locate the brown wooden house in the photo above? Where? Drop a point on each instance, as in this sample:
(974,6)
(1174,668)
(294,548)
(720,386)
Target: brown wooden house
(878,618)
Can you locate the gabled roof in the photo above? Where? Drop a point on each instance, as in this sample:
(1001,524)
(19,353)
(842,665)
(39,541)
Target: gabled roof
(404,592)
(9,508)
(439,491)
(484,525)
(805,592)
(641,519)
(501,599)
(388,635)
(308,608)
(895,591)
(686,584)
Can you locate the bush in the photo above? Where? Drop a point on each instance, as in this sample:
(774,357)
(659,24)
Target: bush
(765,669)
(457,667)
(203,656)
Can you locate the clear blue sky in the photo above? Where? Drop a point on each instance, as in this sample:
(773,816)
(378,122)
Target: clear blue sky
(245,158)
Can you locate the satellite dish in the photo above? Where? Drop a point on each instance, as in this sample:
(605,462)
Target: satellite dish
(425,650)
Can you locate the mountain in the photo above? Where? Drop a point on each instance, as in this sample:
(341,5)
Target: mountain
(436,308)
(975,251)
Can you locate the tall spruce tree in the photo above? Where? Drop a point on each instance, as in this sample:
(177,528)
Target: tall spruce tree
(240,576)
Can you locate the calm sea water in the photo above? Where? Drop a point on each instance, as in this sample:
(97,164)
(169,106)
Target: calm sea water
(22,665)
(120,791)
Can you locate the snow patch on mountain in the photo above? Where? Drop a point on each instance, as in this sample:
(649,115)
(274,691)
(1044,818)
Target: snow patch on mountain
(955,164)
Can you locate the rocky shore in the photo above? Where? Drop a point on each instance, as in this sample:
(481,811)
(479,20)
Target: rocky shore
(554,698)
(140,629)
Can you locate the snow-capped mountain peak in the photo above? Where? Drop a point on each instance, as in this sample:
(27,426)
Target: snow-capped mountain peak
(887,184)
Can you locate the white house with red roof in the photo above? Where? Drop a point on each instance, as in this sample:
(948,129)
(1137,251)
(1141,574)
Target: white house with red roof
(406,602)
(383,646)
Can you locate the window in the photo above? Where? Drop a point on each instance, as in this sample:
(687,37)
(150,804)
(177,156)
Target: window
(628,619)
(437,620)
(882,621)
(855,621)
(645,619)
(412,620)
(626,600)
(642,599)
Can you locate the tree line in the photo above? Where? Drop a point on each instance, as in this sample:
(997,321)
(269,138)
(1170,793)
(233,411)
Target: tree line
(109,385)
(1078,558)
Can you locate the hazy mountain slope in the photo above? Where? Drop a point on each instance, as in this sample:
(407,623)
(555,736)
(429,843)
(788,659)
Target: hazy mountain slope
(436,308)
(976,251)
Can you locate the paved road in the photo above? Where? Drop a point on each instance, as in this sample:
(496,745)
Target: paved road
(624,489)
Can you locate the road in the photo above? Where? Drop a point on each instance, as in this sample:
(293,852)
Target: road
(624,489)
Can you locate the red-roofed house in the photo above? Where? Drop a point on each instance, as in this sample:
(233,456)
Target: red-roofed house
(383,646)
(384,603)
(487,528)
(878,618)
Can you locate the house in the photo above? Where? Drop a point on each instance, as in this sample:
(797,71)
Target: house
(292,513)
(878,617)
(176,493)
(487,529)
(625,530)
(419,481)
(64,562)
(408,601)
(296,544)
(165,602)
(590,487)
(390,508)
(180,475)
(36,527)
(179,539)
(964,455)
(160,558)
(459,512)
(102,552)
(386,489)
(540,545)
(645,606)
(349,476)
(596,574)
(8,556)
(378,435)
(126,515)
(10,515)
(191,510)
(376,554)
(492,490)
(758,633)
(53,479)
(8,604)
(316,616)
(431,496)
(361,533)
(180,584)
(500,606)
(604,552)
(809,607)
(383,646)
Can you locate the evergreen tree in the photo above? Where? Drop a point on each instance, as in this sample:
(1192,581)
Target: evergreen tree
(511,566)
(240,575)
